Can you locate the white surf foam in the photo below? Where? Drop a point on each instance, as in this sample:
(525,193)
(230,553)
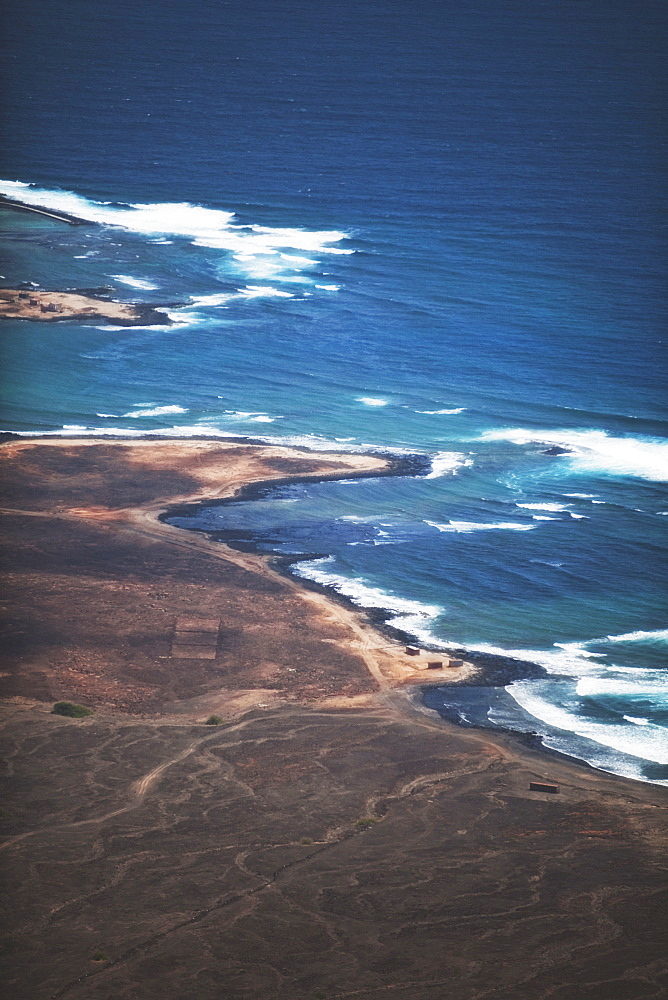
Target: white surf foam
(574,659)
(252,416)
(264,291)
(314,442)
(251,246)
(569,659)
(602,758)
(329,288)
(297,261)
(467,526)
(175,431)
(156,411)
(216,299)
(446,463)
(657,635)
(554,507)
(647,743)
(434,413)
(127,279)
(372,401)
(597,452)
(650,685)
(360,592)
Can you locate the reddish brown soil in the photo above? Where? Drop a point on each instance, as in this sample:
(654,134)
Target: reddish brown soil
(329,840)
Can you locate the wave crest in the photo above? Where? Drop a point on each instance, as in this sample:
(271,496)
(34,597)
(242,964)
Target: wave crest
(257,251)
(596,451)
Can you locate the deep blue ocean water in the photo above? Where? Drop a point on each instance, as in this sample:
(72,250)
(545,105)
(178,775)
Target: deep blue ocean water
(412,227)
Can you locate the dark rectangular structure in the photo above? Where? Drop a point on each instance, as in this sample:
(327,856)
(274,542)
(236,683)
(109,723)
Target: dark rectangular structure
(196,638)
(434,665)
(542,786)
(412,651)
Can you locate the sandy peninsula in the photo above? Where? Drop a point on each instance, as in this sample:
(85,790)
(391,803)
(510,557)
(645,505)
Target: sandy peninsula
(16,303)
(330,838)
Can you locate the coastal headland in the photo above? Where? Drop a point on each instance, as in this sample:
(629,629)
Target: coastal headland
(45,306)
(330,837)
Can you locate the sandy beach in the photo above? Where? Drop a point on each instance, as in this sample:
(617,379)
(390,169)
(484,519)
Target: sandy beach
(331,837)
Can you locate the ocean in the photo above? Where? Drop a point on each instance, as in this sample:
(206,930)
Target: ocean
(432,229)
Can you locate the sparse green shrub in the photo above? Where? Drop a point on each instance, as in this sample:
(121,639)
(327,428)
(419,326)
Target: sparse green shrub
(71,710)
(99,956)
(306,840)
(365,822)
(214,720)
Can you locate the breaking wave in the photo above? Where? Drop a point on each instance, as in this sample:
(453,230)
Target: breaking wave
(256,251)
(554,507)
(646,742)
(446,463)
(434,413)
(142,283)
(363,594)
(156,411)
(597,452)
(466,526)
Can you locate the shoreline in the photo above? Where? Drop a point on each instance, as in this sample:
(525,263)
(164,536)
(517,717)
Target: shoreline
(492,670)
(382,646)
(325,799)
(495,670)
(40,305)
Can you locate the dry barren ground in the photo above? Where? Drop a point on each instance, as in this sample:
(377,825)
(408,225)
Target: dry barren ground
(328,840)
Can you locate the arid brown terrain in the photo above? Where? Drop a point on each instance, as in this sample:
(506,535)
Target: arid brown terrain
(329,839)
(16,303)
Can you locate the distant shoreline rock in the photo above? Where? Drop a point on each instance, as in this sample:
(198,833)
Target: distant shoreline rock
(558,449)
(29,303)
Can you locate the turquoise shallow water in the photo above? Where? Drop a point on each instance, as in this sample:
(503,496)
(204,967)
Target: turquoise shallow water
(433,234)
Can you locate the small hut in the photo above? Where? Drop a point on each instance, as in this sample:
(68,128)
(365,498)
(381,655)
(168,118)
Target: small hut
(543,786)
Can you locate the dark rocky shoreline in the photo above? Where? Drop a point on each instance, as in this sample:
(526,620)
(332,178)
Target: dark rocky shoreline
(28,301)
(495,670)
